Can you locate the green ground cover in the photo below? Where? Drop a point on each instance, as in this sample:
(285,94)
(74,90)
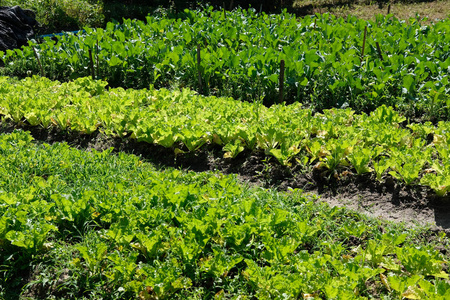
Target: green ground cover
(78,224)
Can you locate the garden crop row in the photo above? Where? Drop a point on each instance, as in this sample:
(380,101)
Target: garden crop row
(338,139)
(328,62)
(91,224)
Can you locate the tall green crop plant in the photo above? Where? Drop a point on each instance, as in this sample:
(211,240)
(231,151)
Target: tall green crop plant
(240,55)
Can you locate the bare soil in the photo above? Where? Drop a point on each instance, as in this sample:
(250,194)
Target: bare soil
(368,9)
(389,200)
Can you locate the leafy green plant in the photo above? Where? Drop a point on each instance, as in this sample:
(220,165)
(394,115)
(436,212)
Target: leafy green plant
(440,183)
(406,165)
(338,154)
(359,158)
(380,167)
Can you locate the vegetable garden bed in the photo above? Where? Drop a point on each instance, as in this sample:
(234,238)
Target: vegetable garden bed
(328,61)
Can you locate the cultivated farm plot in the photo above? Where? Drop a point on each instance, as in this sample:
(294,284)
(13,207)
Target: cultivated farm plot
(88,224)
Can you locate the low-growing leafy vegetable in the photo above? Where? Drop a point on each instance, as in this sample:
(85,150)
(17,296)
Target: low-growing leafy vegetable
(128,230)
(334,141)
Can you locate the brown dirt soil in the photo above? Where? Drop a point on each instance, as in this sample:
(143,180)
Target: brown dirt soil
(389,200)
(365,9)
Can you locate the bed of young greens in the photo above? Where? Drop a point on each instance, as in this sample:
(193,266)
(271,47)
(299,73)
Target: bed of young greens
(333,141)
(79,224)
(326,63)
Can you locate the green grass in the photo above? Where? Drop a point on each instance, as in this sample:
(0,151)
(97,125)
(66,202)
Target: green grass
(63,15)
(91,225)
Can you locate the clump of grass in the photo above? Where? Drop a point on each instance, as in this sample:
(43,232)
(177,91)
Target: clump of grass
(63,15)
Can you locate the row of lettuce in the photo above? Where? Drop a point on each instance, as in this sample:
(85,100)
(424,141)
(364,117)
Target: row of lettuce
(336,140)
(91,223)
(328,61)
